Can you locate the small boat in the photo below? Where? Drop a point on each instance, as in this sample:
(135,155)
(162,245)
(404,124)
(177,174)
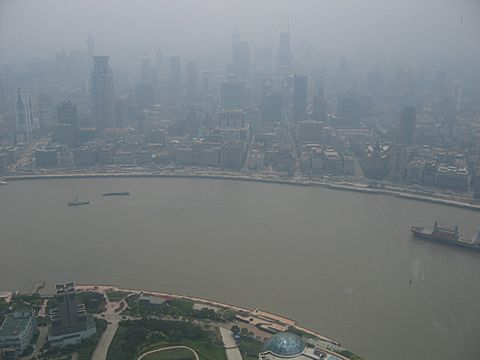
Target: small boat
(125,193)
(77,202)
(3,182)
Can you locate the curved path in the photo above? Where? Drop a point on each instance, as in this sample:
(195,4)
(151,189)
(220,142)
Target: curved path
(169,348)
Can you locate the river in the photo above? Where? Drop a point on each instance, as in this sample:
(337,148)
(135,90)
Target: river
(342,263)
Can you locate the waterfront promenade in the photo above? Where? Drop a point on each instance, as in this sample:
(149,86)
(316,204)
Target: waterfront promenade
(404,193)
(275,317)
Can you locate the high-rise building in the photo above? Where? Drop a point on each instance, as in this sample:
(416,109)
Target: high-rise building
(406,130)
(66,130)
(102,93)
(300,87)
(70,323)
(376,82)
(24,113)
(456,96)
(147,74)
(144,95)
(67,113)
(319,106)
(90,46)
(3,95)
(175,70)
(241,56)
(284,55)
(233,95)
(159,63)
(272,107)
(348,110)
(191,85)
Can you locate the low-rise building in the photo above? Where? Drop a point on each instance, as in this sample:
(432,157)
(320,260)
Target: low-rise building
(46,157)
(17,331)
(415,172)
(452,178)
(84,156)
(332,163)
(348,165)
(287,345)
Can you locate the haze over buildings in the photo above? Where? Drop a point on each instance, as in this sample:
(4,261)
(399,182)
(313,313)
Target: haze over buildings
(371,96)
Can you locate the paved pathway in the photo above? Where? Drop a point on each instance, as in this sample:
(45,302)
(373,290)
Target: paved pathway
(231,348)
(169,348)
(42,338)
(113,319)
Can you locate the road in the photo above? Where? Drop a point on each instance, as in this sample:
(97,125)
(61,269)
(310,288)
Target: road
(169,348)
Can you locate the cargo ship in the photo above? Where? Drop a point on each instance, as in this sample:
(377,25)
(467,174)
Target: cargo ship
(77,202)
(447,235)
(125,193)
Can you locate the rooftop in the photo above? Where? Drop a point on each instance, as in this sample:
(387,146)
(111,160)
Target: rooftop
(14,325)
(285,345)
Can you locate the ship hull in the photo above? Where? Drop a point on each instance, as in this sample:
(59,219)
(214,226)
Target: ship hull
(116,194)
(422,234)
(79,203)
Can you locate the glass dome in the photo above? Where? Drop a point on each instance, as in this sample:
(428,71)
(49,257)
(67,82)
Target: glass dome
(285,344)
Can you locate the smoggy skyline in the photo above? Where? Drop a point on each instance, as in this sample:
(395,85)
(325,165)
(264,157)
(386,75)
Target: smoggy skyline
(437,34)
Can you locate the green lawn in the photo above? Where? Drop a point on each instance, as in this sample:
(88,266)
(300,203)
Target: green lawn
(205,349)
(116,295)
(174,354)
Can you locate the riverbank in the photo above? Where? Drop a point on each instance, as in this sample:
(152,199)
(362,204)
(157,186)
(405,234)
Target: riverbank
(266,315)
(299,181)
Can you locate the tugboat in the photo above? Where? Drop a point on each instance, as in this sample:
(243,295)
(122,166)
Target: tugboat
(446,235)
(77,202)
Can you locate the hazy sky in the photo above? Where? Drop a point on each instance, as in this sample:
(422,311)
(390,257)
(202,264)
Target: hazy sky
(397,32)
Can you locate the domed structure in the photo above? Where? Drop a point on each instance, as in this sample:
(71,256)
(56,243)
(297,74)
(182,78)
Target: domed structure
(285,345)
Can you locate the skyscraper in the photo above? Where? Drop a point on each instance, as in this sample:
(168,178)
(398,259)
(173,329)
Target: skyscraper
(159,64)
(90,46)
(175,70)
(191,86)
(319,106)
(66,130)
(102,93)
(348,110)
(284,55)
(272,107)
(90,51)
(67,113)
(241,56)
(300,86)
(23,113)
(233,95)
(406,130)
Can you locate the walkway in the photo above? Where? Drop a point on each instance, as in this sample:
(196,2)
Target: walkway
(169,348)
(113,319)
(231,348)
(42,338)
